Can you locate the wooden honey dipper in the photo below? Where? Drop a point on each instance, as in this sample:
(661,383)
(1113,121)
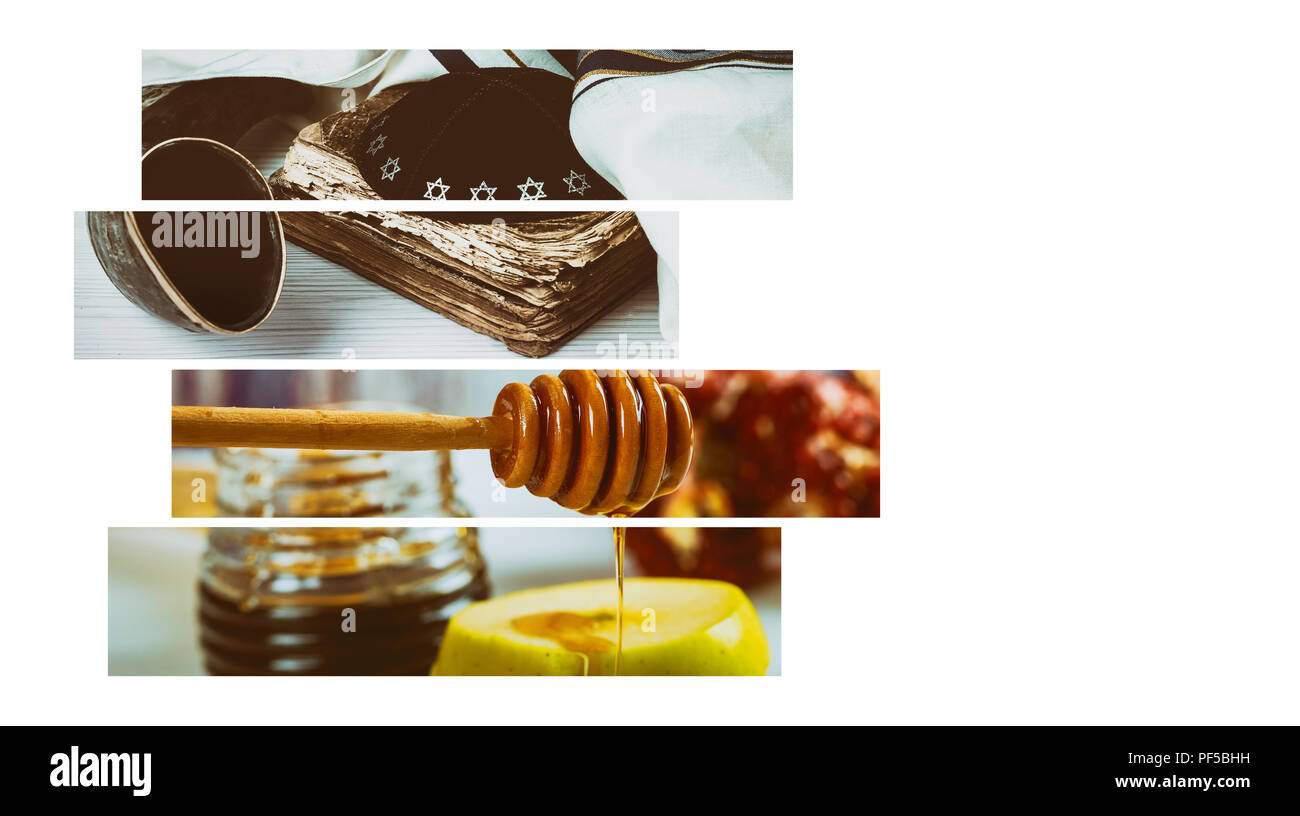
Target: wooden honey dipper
(596,444)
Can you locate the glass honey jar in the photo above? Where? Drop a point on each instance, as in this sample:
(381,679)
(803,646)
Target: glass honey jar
(333,600)
(269,482)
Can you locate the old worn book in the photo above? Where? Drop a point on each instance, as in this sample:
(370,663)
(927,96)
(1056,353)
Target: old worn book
(532,281)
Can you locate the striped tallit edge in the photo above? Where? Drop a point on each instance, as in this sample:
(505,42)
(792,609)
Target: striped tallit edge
(557,62)
(595,67)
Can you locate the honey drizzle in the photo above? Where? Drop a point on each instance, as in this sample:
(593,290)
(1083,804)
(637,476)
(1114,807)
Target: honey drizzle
(575,632)
(620,540)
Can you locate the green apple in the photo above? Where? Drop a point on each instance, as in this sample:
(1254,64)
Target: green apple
(670,626)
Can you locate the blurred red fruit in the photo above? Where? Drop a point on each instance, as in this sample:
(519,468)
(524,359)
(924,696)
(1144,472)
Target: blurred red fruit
(768,443)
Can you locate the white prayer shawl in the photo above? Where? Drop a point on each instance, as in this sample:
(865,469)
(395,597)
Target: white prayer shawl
(332,69)
(329,69)
(713,132)
(722,129)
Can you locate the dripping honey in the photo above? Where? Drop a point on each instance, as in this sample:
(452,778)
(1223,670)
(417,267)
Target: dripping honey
(620,540)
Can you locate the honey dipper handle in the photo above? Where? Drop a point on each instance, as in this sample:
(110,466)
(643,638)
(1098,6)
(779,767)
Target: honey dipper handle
(334,430)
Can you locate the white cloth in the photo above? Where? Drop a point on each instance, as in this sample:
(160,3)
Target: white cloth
(721,133)
(333,69)
(661,230)
(330,69)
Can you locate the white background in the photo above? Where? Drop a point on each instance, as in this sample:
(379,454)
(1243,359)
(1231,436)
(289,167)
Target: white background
(1067,233)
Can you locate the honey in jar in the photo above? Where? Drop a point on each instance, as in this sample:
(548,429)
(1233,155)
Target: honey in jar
(339,601)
